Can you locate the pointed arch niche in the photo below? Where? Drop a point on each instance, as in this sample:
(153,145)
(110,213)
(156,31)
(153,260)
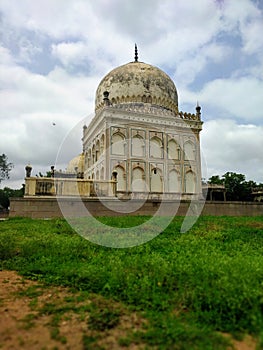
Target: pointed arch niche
(156,150)
(97,150)
(173,149)
(138,146)
(102,175)
(138,180)
(102,143)
(174,184)
(121,178)
(88,159)
(190,182)
(189,150)
(118,144)
(156,180)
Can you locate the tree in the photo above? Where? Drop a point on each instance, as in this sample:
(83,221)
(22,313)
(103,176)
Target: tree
(237,188)
(234,185)
(5,167)
(6,193)
(215,180)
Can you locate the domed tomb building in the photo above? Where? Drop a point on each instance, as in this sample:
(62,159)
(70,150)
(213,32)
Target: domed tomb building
(139,137)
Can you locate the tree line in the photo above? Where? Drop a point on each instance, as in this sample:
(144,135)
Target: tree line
(236,186)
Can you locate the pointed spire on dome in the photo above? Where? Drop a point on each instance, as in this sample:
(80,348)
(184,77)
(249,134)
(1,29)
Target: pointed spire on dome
(136,54)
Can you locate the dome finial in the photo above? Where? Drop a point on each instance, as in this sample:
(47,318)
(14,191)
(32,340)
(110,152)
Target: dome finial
(198,110)
(136,53)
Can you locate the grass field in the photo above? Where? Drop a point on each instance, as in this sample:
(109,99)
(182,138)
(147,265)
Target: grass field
(189,287)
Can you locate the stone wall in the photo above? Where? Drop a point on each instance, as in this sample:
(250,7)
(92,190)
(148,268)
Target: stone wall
(49,207)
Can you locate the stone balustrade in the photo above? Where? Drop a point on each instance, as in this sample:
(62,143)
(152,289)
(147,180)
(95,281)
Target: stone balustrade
(48,186)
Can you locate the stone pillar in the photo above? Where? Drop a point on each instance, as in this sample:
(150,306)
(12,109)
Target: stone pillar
(30,186)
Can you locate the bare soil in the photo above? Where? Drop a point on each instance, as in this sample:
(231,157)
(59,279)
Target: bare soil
(24,326)
(28,322)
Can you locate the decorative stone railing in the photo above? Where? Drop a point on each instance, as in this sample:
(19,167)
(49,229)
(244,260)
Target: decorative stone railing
(257,194)
(48,186)
(188,116)
(154,109)
(257,190)
(213,186)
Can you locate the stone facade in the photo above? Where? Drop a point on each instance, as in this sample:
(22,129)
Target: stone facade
(139,137)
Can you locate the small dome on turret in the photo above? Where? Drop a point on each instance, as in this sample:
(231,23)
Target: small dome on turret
(76,164)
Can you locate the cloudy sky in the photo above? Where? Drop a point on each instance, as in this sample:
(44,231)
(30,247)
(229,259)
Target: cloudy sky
(53,54)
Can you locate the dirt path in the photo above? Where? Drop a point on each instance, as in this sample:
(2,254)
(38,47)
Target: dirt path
(36,317)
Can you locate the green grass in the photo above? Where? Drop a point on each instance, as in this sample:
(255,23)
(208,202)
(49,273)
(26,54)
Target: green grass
(189,286)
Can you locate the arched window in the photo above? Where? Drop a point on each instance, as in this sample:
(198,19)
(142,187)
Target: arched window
(173,181)
(86,160)
(102,145)
(118,144)
(156,150)
(121,183)
(138,146)
(149,99)
(189,151)
(190,182)
(173,150)
(89,158)
(93,154)
(97,150)
(138,183)
(156,181)
(102,173)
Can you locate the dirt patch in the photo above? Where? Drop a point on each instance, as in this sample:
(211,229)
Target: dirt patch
(40,317)
(248,343)
(255,224)
(34,316)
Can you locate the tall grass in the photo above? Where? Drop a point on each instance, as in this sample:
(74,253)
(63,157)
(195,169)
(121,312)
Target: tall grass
(188,285)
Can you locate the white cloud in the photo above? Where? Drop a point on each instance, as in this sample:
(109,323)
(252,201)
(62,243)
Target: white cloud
(229,146)
(246,19)
(6,57)
(30,104)
(27,50)
(238,97)
(252,37)
(58,92)
(70,53)
(55,18)
(188,69)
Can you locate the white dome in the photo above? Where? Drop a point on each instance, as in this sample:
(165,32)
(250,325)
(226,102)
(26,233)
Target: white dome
(138,82)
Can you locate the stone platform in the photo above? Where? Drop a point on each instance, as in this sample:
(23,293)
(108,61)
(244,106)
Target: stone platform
(48,207)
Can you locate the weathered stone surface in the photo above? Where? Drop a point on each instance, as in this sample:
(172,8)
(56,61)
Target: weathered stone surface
(138,82)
